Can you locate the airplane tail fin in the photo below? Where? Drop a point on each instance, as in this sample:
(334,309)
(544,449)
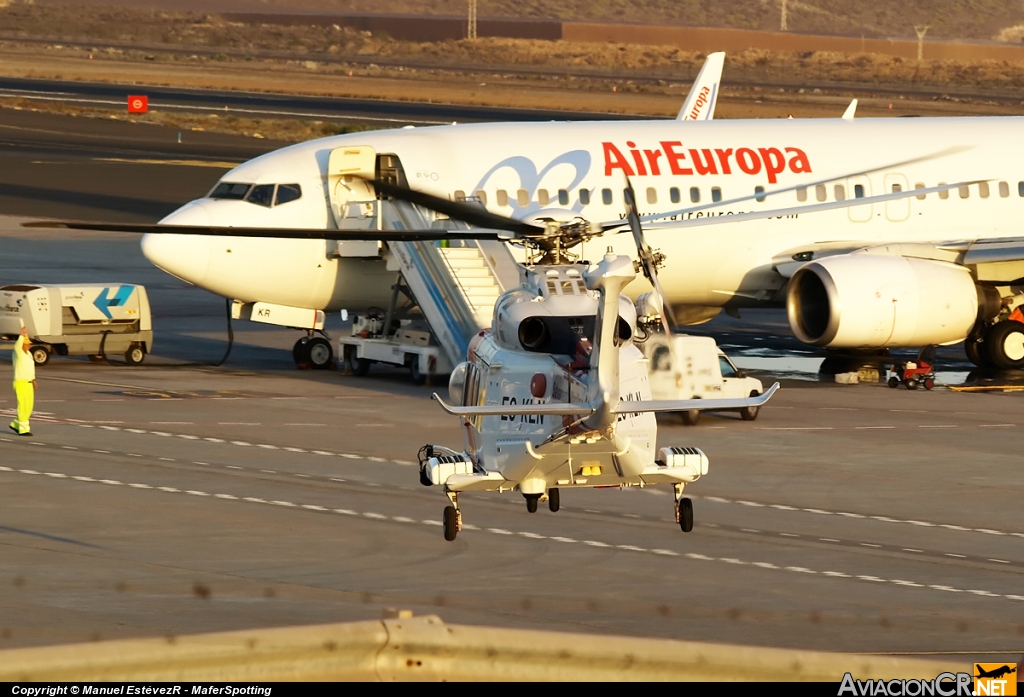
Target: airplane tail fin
(700,102)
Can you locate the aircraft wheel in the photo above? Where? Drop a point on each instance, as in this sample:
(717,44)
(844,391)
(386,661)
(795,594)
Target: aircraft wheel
(553,502)
(912,384)
(894,382)
(40,355)
(318,353)
(1005,344)
(685,514)
(451,523)
(974,347)
(750,413)
(135,354)
(413,362)
(359,366)
(691,417)
(531,502)
(297,351)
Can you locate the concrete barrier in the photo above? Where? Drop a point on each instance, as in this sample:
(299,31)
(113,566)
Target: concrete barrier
(425,648)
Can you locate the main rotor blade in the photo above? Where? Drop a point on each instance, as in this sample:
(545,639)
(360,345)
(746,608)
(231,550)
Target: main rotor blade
(274,233)
(800,210)
(647,262)
(956,149)
(457,210)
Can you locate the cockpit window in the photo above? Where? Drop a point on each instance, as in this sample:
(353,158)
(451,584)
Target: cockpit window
(287,193)
(262,195)
(230,191)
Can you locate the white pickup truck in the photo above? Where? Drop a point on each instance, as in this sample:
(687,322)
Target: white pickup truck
(695,368)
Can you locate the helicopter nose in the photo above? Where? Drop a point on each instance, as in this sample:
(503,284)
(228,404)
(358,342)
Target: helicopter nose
(184,256)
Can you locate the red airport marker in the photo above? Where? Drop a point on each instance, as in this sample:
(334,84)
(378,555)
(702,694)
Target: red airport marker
(138,104)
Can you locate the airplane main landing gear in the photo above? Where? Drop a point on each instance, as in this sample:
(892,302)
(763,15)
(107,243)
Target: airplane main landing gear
(684,510)
(314,351)
(452,520)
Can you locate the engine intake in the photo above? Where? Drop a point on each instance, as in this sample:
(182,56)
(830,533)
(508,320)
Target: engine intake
(865,300)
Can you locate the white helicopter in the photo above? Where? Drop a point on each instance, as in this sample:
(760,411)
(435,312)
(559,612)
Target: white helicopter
(556,395)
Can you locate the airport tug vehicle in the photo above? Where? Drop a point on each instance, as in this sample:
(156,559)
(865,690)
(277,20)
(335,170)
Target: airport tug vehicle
(918,372)
(556,394)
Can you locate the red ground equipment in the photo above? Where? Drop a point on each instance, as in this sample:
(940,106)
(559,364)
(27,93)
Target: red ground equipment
(914,373)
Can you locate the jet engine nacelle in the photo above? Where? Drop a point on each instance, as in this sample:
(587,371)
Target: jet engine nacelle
(866,300)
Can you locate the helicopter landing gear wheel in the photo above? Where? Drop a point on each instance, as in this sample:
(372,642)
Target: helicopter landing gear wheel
(531,502)
(553,502)
(452,520)
(685,513)
(451,523)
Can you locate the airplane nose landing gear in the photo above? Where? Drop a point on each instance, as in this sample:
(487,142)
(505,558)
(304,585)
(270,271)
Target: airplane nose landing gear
(313,351)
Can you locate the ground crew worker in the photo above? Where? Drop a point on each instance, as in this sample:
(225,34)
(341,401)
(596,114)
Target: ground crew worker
(24,383)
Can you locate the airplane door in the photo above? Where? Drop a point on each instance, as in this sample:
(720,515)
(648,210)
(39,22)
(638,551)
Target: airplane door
(900,209)
(859,187)
(344,168)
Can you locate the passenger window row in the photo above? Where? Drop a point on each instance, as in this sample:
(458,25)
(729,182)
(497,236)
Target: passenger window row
(563,197)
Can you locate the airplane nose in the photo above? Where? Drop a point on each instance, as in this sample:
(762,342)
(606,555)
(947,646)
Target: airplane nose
(184,256)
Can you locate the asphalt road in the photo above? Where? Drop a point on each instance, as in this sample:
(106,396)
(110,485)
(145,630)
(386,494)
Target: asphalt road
(168,499)
(372,111)
(59,166)
(175,498)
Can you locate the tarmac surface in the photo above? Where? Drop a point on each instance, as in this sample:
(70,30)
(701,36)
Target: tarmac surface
(173,498)
(378,112)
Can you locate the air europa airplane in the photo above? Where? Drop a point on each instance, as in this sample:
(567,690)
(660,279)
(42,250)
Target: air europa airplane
(873,233)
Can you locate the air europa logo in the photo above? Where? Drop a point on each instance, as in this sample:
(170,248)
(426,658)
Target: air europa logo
(772,161)
(701,102)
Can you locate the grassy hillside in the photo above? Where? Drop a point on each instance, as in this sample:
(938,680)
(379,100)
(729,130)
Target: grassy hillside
(965,19)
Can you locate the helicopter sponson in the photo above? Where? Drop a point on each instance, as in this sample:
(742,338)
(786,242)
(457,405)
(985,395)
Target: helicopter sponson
(556,395)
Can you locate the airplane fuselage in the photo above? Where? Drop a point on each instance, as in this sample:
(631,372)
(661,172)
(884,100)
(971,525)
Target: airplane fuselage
(563,169)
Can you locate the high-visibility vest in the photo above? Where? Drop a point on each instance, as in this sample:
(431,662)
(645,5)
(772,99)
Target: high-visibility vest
(24,366)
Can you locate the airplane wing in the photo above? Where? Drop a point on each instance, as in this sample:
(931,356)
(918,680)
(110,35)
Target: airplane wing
(703,95)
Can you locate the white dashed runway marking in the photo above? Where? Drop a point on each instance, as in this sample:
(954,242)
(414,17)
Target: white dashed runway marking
(373,515)
(847,514)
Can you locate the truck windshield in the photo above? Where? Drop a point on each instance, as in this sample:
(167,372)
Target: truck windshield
(728,369)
